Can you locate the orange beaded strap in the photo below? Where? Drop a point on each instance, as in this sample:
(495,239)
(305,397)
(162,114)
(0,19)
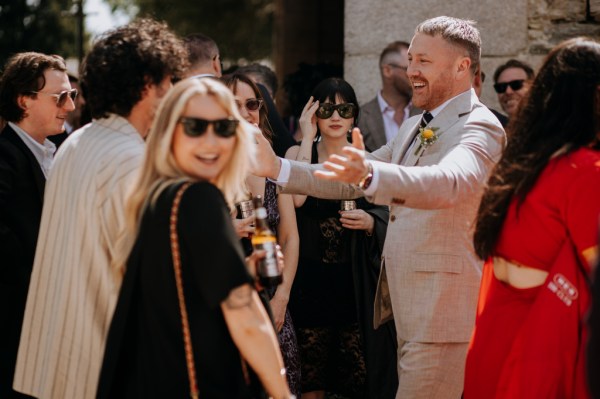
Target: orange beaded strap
(187,338)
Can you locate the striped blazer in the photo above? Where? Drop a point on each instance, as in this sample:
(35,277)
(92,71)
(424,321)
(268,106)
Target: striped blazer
(73,291)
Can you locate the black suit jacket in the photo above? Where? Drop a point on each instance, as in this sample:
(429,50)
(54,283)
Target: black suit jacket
(22,185)
(502,118)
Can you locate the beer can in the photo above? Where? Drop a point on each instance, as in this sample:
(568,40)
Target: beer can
(348,205)
(245,209)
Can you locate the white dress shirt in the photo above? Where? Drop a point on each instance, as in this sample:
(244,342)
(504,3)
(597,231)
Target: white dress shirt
(389,123)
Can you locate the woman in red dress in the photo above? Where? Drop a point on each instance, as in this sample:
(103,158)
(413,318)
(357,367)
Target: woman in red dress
(537,230)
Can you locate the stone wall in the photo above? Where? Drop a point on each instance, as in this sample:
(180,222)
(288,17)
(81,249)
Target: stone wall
(521,29)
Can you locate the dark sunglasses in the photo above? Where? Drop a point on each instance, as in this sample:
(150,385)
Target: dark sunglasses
(251,104)
(196,127)
(61,98)
(345,110)
(514,85)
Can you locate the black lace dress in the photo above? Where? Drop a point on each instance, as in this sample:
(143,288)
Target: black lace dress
(323,303)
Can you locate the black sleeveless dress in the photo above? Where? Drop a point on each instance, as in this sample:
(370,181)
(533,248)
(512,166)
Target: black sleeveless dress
(323,303)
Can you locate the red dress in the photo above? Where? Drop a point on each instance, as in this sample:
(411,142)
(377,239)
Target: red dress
(528,343)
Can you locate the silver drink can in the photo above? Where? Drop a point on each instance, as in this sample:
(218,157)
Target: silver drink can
(348,205)
(245,208)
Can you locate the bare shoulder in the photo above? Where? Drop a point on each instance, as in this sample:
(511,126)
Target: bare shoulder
(292,152)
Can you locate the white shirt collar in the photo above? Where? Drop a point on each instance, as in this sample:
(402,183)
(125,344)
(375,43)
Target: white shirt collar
(383,105)
(203,75)
(44,154)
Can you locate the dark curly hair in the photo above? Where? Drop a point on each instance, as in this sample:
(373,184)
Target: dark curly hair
(560,112)
(231,81)
(124,60)
(24,74)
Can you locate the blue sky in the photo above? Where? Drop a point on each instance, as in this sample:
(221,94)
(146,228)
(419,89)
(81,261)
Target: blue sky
(99,18)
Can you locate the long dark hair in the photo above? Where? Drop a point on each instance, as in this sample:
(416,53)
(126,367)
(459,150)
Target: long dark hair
(231,81)
(560,112)
(329,89)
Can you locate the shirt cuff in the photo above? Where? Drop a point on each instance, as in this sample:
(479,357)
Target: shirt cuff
(284,173)
(374,182)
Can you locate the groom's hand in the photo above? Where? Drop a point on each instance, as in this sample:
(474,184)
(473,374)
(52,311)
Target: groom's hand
(266,163)
(351,167)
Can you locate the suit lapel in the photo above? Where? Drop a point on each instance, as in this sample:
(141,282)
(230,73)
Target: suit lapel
(38,175)
(444,121)
(405,138)
(379,128)
(374,120)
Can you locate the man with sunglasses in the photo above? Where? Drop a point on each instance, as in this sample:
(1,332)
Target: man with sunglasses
(74,282)
(432,176)
(511,82)
(35,98)
(381,118)
(74,118)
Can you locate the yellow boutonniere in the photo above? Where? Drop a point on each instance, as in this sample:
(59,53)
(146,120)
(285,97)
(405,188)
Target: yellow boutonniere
(427,137)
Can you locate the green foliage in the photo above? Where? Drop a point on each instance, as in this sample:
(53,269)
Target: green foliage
(37,25)
(241,28)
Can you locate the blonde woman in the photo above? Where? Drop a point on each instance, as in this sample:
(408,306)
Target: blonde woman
(199,138)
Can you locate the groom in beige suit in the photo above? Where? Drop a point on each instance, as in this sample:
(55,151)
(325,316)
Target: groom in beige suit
(431,275)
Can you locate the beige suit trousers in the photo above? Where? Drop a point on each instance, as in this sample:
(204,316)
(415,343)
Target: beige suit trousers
(431,370)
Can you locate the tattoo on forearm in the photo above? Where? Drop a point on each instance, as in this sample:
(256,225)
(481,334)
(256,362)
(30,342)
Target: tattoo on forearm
(239,297)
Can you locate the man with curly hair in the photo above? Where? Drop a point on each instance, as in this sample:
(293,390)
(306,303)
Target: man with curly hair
(73,286)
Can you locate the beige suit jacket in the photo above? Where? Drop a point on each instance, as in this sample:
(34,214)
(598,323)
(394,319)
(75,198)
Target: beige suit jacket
(432,272)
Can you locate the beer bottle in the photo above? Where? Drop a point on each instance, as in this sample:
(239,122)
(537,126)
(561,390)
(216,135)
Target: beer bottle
(263,238)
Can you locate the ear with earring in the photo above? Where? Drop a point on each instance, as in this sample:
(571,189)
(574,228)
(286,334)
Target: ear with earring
(349,134)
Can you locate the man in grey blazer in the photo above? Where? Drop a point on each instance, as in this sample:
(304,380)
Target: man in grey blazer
(432,179)
(380,119)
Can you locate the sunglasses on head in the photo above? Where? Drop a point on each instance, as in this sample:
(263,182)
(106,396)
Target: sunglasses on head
(345,110)
(514,85)
(196,127)
(61,98)
(251,104)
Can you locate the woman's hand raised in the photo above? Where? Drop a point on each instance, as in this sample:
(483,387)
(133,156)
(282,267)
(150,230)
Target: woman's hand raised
(308,120)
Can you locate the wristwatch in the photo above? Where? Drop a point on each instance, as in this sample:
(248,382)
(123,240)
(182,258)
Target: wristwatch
(365,182)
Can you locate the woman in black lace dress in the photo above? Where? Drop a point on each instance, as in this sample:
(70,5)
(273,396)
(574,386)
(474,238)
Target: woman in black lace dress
(282,220)
(332,298)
